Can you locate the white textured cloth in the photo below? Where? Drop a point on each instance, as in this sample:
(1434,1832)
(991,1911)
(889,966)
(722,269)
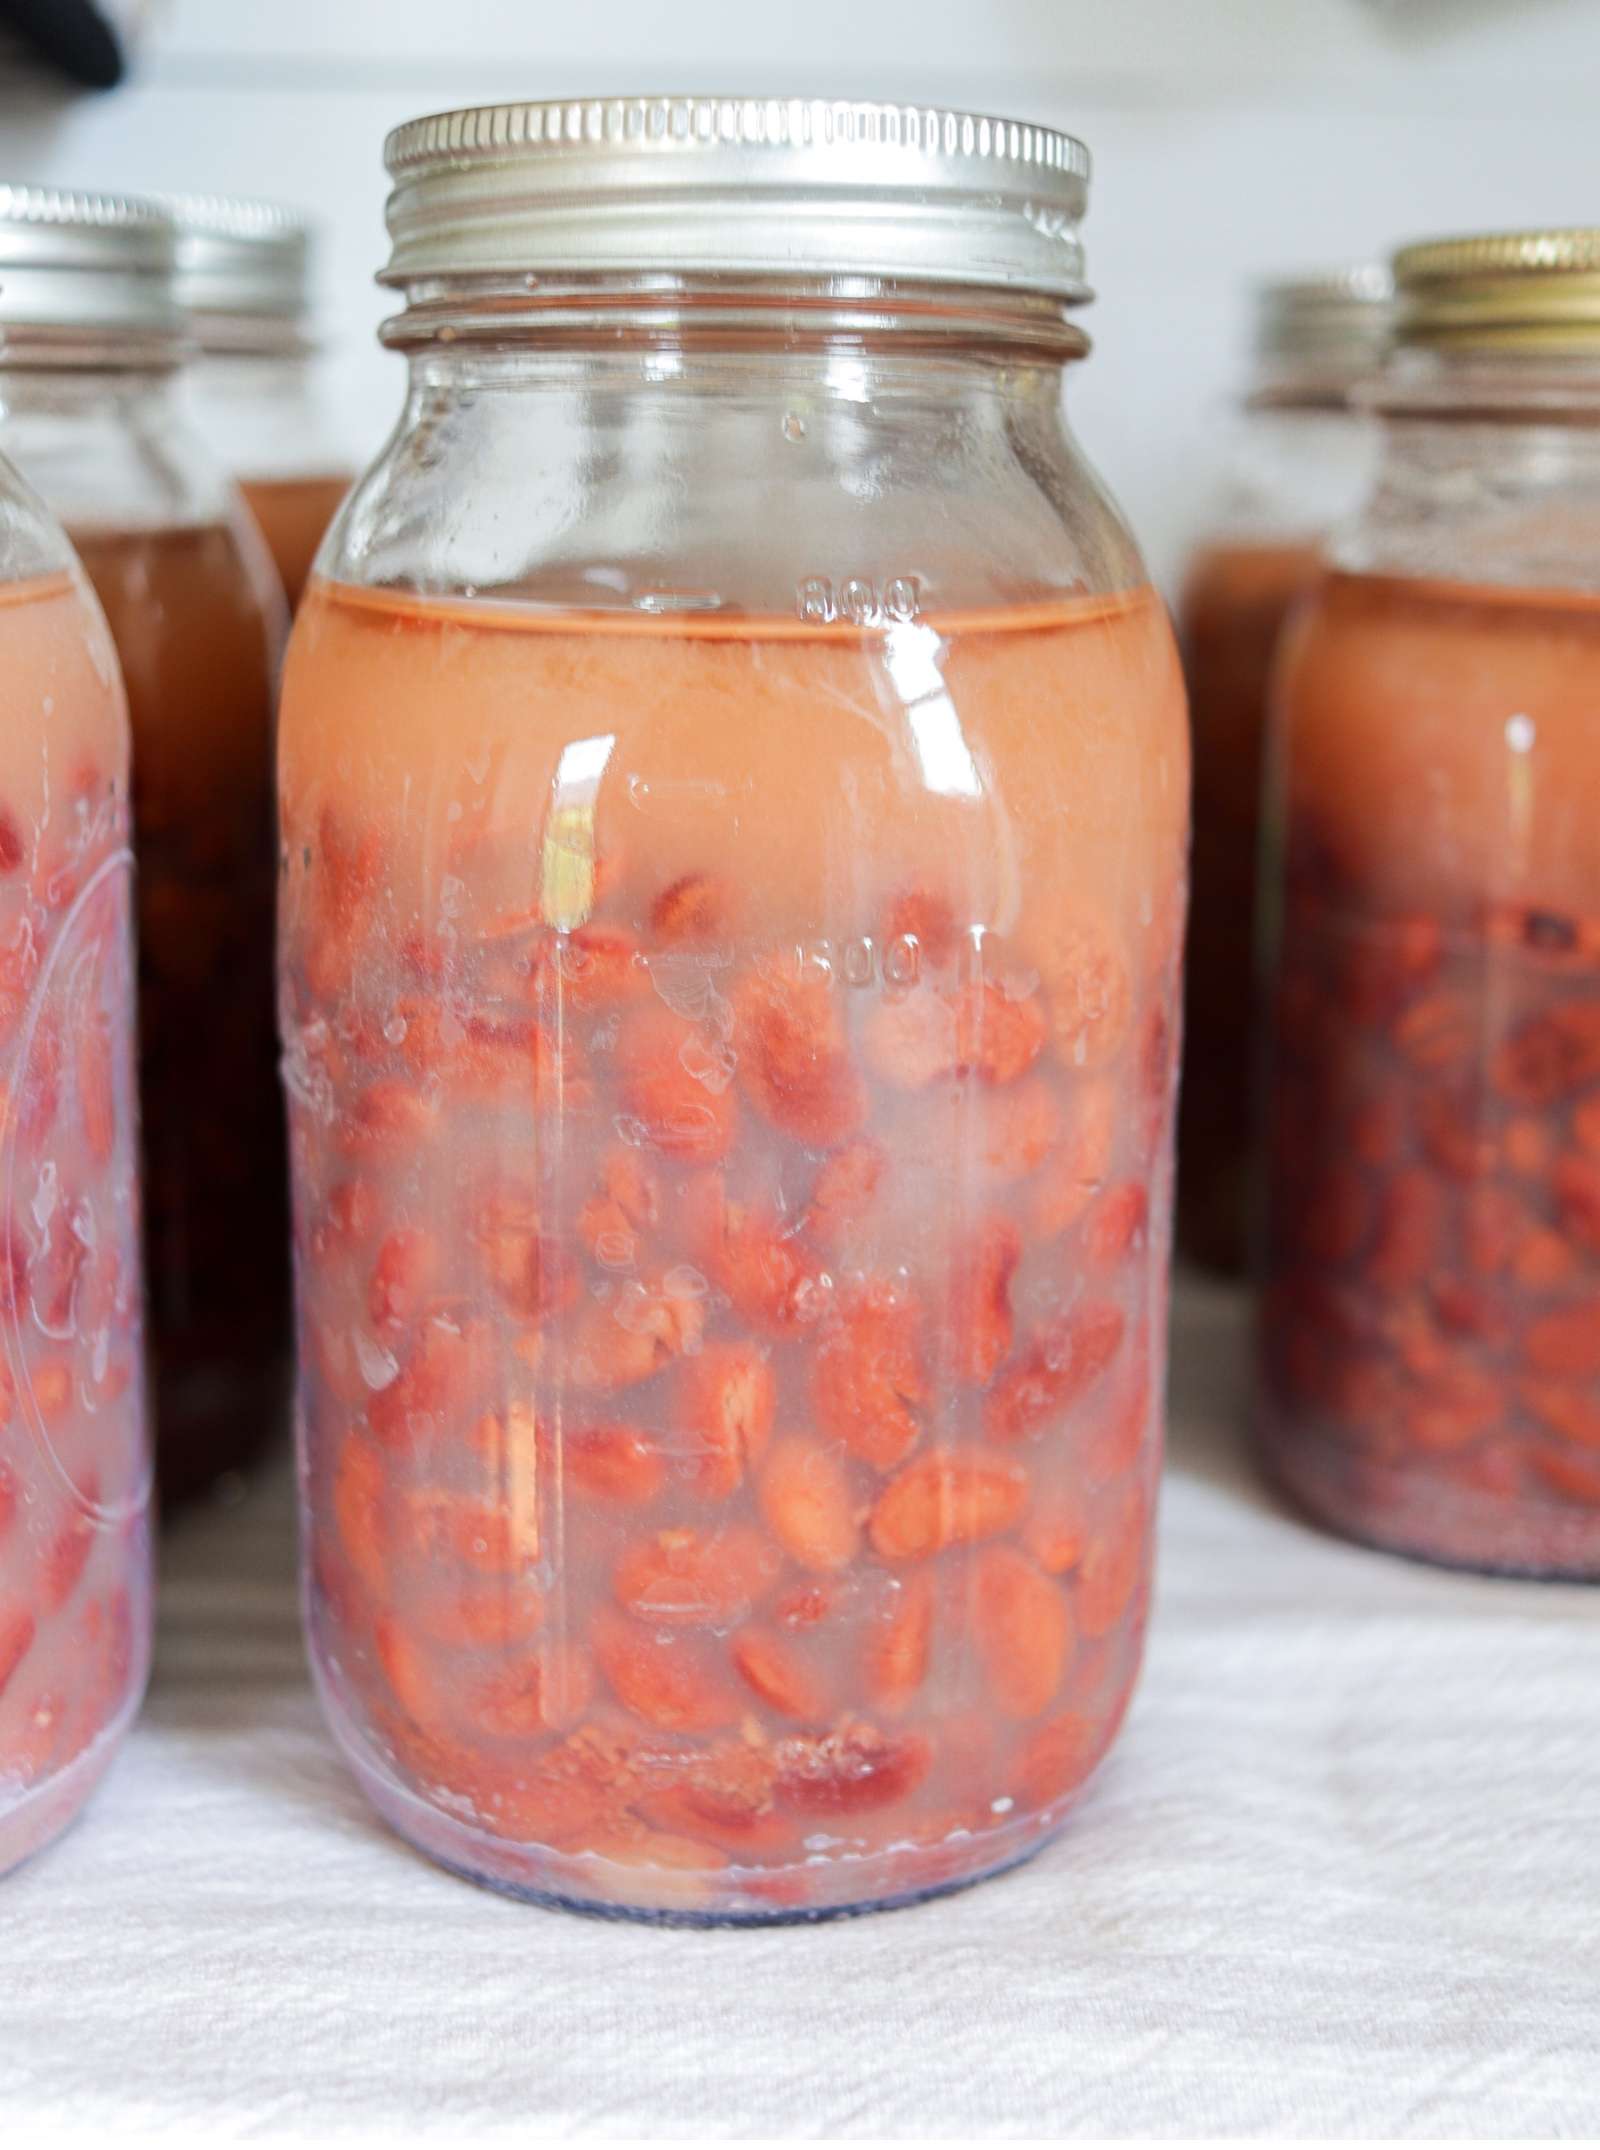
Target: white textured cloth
(1341,1875)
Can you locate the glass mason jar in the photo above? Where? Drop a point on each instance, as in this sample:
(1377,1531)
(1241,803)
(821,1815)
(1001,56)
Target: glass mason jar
(1430,1357)
(1298,463)
(90,342)
(74,1464)
(257,390)
(733,780)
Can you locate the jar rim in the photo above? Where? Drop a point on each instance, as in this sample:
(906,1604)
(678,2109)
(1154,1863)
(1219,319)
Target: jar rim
(753,186)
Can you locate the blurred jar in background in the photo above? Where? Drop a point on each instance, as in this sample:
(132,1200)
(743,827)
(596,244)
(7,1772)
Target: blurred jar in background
(730,1000)
(1430,1338)
(91,342)
(258,391)
(1299,461)
(74,1464)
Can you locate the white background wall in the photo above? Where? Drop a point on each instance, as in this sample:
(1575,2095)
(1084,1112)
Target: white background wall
(1231,138)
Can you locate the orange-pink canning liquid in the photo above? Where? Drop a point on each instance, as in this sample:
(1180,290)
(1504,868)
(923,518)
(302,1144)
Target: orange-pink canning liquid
(730,1068)
(74,1467)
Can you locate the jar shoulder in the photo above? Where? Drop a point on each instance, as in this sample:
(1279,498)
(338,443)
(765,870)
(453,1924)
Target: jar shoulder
(1494,502)
(32,541)
(753,501)
(1282,477)
(118,460)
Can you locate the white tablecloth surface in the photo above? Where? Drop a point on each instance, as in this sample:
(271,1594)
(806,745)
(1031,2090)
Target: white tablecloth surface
(1341,1875)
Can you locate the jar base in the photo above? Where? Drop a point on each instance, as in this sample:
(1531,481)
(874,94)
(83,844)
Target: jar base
(598,1887)
(1411,1514)
(591,1907)
(33,1821)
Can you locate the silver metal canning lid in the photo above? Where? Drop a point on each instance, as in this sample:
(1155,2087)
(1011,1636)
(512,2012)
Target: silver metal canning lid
(1337,321)
(747,186)
(240,263)
(75,264)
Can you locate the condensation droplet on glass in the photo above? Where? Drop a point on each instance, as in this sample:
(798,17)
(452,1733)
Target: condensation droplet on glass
(811,1297)
(452,895)
(378,1366)
(99,1355)
(614,1250)
(45,1195)
(794,426)
(713,1067)
(1521,731)
(685,991)
(453,811)
(394,1030)
(685,1282)
(636,1310)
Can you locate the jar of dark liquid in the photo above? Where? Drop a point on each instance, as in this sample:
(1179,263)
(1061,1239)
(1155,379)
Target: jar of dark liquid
(258,388)
(92,343)
(1297,463)
(1430,1341)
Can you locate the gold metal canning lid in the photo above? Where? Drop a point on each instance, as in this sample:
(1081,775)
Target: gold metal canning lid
(1520,290)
